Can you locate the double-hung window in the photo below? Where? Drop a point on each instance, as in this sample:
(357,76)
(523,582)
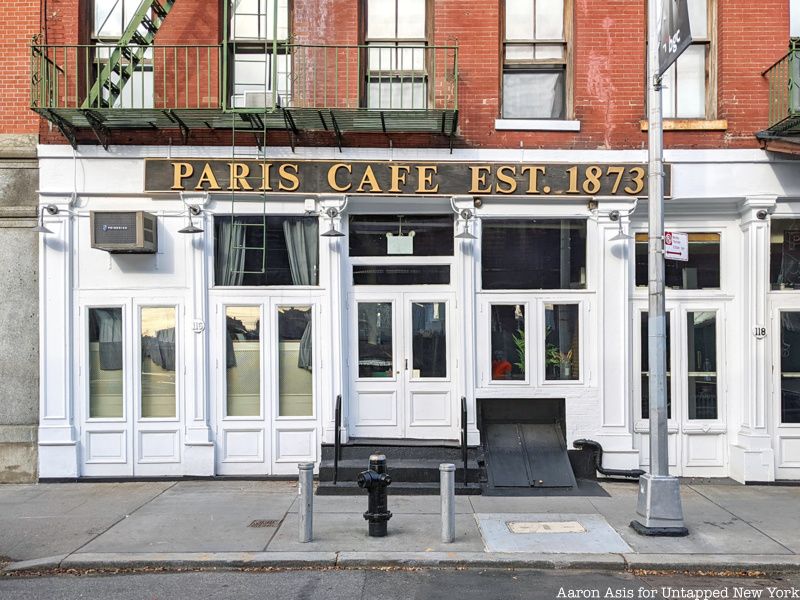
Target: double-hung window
(397,47)
(536,55)
(260,59)
(689,84)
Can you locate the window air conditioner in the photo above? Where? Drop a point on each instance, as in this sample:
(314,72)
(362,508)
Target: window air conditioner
(133,232)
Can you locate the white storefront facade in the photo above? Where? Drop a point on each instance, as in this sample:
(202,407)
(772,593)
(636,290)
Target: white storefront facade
(178,364)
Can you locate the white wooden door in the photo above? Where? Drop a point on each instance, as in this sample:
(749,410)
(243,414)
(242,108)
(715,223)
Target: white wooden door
(786,388)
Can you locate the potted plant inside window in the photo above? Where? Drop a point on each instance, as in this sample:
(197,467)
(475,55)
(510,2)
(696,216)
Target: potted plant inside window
(519,345)
(561,362)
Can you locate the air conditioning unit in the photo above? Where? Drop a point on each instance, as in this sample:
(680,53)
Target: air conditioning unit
(134,232)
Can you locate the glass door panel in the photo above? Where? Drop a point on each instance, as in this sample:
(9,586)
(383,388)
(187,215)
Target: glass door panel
(375,340)
(243,361)
(790,368)
(429,340)
(701,350)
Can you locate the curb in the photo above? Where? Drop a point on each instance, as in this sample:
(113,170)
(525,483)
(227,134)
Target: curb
(769,563)
(525,560)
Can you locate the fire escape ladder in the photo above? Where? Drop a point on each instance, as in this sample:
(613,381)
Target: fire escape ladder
(128,52)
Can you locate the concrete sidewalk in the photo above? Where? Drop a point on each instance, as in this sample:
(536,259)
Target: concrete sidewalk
(254,524)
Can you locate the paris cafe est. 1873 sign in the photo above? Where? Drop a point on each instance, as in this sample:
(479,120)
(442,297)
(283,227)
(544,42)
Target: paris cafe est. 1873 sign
(397,177)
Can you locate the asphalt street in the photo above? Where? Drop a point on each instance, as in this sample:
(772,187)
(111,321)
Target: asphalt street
(391,584)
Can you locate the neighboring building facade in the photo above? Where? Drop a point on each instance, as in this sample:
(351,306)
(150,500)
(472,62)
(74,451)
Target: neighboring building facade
(480,161)
(19,250)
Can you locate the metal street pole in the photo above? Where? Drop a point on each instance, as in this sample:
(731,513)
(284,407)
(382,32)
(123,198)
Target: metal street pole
(659,505)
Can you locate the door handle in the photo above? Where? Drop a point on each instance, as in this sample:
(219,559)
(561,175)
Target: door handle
(406,364)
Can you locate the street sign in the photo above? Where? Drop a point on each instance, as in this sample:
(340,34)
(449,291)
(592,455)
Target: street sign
(676,246)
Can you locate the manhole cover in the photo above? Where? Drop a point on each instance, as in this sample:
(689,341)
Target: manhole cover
(545,527)
(264,523)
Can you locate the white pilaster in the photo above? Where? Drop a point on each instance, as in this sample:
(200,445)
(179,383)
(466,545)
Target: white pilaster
(751,454)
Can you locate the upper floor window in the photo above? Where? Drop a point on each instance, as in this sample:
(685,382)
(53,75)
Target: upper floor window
(534,254)
(794,18)
(689,90)
(536,49)
(111,18)
(259,250)
(396,36)
(784,254)
(261,72)
(701,271)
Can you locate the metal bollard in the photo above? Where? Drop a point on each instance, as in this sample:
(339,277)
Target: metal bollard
(305,489)
(447,474)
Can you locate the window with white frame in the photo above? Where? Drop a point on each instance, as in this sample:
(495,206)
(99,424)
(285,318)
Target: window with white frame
(261,63)
(508,341)
(397,47)
(689,90)
(536,59)
(794,18)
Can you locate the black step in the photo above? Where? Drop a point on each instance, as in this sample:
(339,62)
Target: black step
(400,470)
(350,488)
(362,452)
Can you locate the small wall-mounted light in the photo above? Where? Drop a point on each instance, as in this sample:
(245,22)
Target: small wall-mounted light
(621,235)
(332,213)
(762,215)
(191,228)
(51,209)
(466,214)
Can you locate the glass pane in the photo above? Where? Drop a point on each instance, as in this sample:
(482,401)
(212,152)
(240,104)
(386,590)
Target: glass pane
(381,19)
(519,52)
(158,362)
(533,254)
(698,18)
(375,350)
(794,18)
(790,367)
(258,251)
(562,356)
(519,20)
(295,362)
(645,361)
(108,18)
(105,363)
(508,342)
(549,52)
(411,19)
(401,275)
(397,92)
(533,95)
(243,361)
(784,254)
(376,235)
(668,92)
(246,26)
(549,19)
(428,339)
(701,271)
(701,352)
(690,87)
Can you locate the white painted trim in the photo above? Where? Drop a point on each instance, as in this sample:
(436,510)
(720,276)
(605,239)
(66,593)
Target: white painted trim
(536,125)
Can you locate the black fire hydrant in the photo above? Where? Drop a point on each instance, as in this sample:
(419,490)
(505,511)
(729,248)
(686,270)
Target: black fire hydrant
(375,480)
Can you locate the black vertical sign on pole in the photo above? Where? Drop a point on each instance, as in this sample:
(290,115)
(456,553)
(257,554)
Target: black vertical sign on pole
(674,35)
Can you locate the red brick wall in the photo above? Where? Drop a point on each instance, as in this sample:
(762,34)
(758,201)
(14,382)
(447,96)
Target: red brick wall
(15,67)
(608,74)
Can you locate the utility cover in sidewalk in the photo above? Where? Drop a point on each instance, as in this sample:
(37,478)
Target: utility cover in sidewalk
(596,537)
(545,527)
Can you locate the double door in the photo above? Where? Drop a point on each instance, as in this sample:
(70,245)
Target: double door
(401,363)
(786,384)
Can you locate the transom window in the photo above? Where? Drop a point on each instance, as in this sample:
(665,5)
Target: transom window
(688,91)
(784,254)
(396,36)
(701,271)
(535,59)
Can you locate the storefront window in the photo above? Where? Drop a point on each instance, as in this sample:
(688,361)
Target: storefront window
(295,362)
(784,251)
(539,254)
(401,274)
(701,352)
(790,367)
(401,235)
(260,250)
(158,362)
(105,363)
(701,271)
(429,339)
(562,353)
(375,349)
(508,342)
(243,361)
(645,361)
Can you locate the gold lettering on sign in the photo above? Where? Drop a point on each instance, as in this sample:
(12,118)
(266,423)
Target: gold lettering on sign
(370,180)
(180,171)
(288,173)
(505,174)
(333,182)
(207,176)
(533,178)
(239,174)
(265,169)
(426,180)
(478,179)
(638,180)
(399,173)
